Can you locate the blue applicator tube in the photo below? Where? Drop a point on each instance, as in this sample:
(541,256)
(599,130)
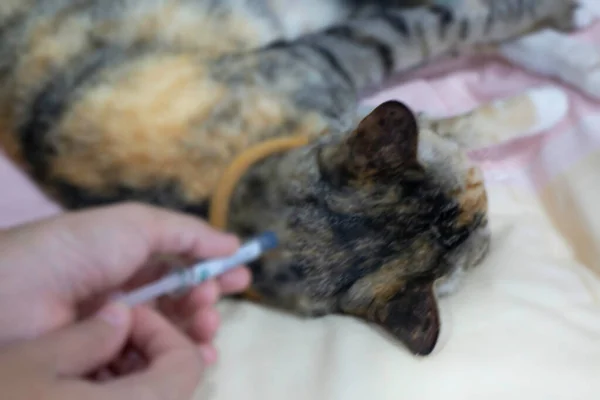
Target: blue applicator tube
(187,278)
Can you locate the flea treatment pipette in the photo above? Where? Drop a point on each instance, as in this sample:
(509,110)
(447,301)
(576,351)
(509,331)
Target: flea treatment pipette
(189,277)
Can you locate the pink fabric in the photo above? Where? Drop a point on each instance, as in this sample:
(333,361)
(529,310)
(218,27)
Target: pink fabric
(445,88)
(20,200)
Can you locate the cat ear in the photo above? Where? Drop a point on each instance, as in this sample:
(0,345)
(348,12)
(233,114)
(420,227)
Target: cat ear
(412,316)
(385,141)
(407,310)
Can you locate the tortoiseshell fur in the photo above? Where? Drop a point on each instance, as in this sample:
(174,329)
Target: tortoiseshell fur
(111,100)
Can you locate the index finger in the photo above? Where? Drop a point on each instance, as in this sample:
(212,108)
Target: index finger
(101,249)
(159,230)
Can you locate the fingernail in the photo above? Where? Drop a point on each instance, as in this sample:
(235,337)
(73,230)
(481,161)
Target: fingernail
(114,314)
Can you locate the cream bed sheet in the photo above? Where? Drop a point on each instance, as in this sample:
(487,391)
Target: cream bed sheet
(525,324)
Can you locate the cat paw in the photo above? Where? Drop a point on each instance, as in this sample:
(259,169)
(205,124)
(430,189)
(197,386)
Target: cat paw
(557,55)
(551,106)
(586,13)
(583,18)
(583,70)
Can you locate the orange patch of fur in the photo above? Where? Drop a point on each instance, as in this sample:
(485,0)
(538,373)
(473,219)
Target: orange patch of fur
(152,121)
(473,200)
(384,291)
(138,127)
(55,40)
(251,295)
(376,289)
(49,46)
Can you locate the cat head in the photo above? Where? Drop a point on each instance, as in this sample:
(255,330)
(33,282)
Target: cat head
(387,211)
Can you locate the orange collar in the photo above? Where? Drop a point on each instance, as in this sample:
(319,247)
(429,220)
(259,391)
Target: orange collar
(219,203)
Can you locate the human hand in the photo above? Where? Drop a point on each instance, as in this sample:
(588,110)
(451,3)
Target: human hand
(48,268)
(53,366)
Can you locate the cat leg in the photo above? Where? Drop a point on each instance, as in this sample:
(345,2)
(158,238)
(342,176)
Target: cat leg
(368,49)
(365,51)
(529,113)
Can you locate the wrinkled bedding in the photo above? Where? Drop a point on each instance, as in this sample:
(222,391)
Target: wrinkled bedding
(525,324)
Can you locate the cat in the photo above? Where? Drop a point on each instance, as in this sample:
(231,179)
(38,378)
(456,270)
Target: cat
(121,100)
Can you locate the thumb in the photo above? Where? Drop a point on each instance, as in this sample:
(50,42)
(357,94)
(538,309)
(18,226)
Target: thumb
(83,347)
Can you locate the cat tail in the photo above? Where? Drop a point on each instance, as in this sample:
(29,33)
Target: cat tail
(529,113)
